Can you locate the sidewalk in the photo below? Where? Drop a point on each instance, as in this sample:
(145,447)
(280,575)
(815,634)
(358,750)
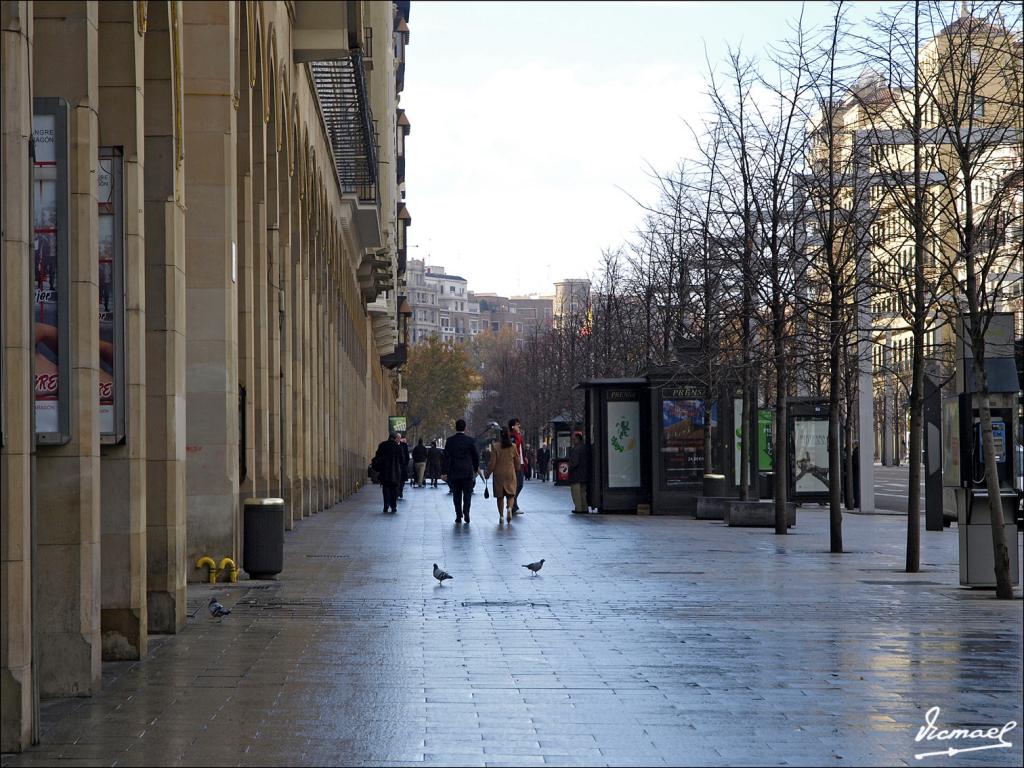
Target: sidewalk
(643,641)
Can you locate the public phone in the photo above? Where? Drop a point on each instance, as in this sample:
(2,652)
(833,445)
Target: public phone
(1004,470)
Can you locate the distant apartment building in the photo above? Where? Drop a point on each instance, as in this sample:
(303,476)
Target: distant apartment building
(441,304)
(524,315)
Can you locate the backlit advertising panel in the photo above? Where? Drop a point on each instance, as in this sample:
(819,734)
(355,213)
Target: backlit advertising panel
(623,448)
(682,438)
(810,456)
(49,275)
(110,299)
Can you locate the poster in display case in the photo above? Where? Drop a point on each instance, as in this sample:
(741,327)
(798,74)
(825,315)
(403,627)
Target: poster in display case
(682,437)
(112,391)
(623,448)
(50,270)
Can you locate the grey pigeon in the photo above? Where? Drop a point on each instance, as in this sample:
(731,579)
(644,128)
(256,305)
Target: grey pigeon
(535,566)
(441,575)
(217,610)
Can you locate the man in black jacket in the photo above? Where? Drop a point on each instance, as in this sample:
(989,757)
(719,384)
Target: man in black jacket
(404,447)
(579,473)
(462,464)
(387,463)
(434,455)
(419,462)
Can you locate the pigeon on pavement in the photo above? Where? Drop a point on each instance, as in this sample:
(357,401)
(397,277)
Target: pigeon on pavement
(217,610)
(535,566)
(441,575)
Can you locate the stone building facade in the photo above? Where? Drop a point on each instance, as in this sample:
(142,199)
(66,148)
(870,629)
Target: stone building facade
(203,253)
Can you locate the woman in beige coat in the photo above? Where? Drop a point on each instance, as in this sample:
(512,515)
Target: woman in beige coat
(503,467)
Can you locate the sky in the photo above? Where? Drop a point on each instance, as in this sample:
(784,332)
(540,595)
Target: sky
(533,124)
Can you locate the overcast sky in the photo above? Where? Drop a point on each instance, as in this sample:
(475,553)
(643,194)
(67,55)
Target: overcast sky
(532,120)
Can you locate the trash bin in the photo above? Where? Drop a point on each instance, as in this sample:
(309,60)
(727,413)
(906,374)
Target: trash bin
(263,538)
(766,485)
(714,485)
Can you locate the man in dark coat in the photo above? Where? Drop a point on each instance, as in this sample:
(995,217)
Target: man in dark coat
(387,463)
(543,459)
(434,455)
(419,462)
(579,473)
(404,446)
(462,462)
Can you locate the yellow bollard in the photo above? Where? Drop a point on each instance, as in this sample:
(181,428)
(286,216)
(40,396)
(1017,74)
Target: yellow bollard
(232,569)
(207,560)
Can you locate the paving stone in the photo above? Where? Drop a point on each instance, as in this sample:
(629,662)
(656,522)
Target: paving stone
(644,641)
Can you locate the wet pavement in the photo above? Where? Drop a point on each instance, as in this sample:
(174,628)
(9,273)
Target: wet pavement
(643,641)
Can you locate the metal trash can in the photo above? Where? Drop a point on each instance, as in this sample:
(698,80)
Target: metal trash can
(263,538)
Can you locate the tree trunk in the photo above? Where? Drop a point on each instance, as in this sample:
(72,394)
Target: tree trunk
(916,450)
(779,434)
(834,478)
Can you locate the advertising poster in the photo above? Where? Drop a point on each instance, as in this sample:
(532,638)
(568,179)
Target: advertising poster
(46,279)
(737,423)
(623,447)
(682,441)
(107,221)
(765,440)
(810,456)
(397,424)
(951,442)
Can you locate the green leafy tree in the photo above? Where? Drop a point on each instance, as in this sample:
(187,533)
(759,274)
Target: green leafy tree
(439,377)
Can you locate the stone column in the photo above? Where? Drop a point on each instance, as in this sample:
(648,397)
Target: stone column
(287,309)
(259,390)
(298,348)
(68,476)
(246,327)
(123,613)
(165,326)
(307,367)
(272,337)
(211,377)
(16,684)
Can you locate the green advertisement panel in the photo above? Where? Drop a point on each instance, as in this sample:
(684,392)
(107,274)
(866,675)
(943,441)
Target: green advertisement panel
(396,424)
(765,440)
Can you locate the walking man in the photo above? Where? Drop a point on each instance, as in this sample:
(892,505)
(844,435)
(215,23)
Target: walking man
(387,464)
(579,472)
(543,458)
(515,431)
(462,464)
(419,461)
(434,464)
(404,447)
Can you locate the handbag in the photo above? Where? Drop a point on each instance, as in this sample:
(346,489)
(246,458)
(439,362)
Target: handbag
(487,493)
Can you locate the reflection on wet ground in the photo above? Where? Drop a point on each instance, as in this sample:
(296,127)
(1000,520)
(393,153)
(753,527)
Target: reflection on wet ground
(644,641)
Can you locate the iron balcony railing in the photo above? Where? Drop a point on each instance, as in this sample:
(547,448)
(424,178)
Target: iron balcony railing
(345,106)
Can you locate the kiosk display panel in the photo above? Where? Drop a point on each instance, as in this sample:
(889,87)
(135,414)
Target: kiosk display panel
(623,439)
(682,438)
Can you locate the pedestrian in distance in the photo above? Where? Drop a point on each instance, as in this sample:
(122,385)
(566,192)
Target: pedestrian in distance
(462,463)
(434,455)
(579,472)
(387,464)
(419,461)
(503,466)
(515,431)
(404,446)
(543,459)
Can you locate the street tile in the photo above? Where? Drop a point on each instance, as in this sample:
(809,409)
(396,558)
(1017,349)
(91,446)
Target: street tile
(645,641)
